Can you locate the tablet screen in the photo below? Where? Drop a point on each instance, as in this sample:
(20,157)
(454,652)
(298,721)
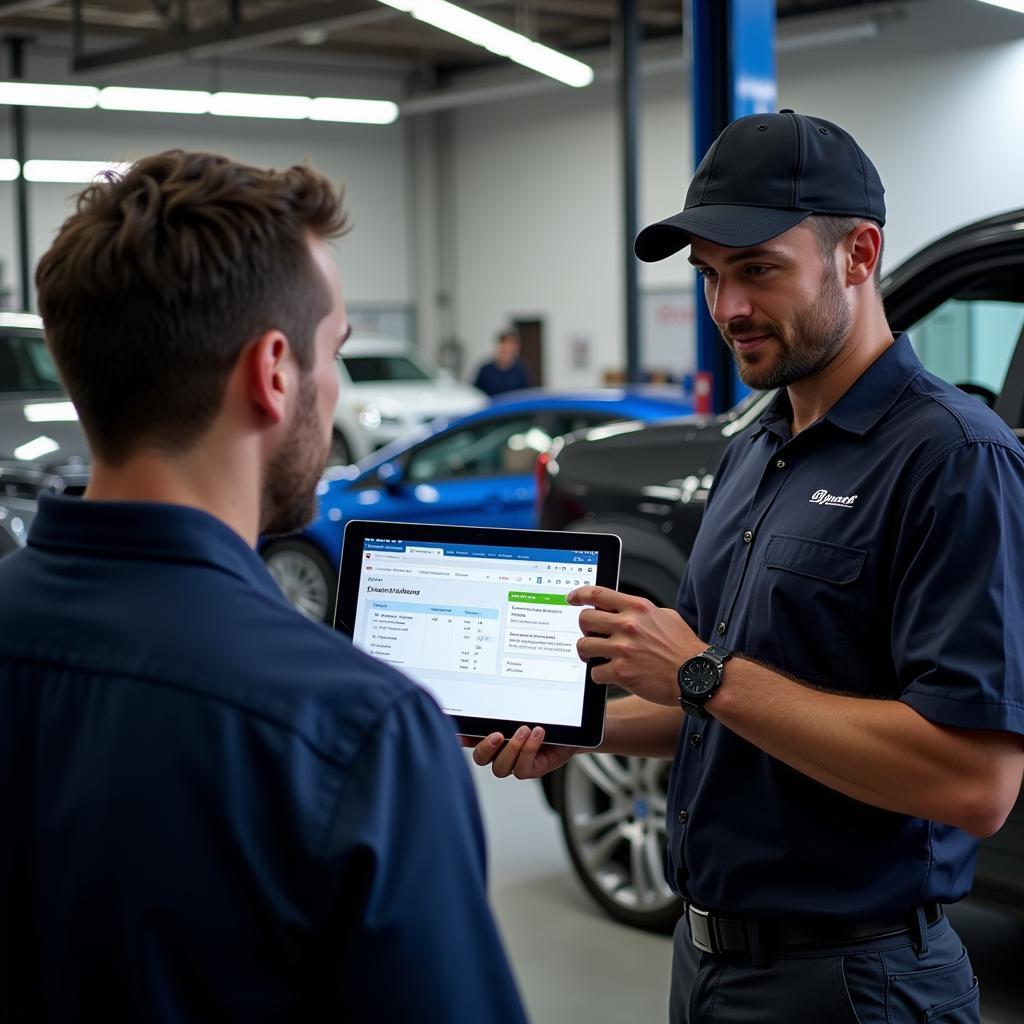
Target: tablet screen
(482,623)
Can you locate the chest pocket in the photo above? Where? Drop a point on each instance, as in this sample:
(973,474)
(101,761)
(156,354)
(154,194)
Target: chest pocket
(805,601)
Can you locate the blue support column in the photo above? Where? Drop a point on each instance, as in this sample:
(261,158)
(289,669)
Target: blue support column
(733,75)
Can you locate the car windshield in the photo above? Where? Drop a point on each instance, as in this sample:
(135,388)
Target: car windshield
(26,366)
(363,369)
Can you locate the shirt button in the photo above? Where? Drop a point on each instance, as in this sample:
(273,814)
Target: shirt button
(683,817)
(781,464)
(720,629)
(695,740)
(748,537)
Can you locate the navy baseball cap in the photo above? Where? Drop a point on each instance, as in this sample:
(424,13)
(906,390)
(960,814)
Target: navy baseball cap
(764,175)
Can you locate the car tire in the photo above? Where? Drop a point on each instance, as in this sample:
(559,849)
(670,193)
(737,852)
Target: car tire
(612,812)
(305,576)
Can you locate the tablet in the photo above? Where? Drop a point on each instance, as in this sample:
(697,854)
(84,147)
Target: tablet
(478,617)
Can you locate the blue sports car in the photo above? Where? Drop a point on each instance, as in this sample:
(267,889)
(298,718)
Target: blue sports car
(477,470)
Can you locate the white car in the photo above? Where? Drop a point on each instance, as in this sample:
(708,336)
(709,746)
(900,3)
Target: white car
(386,391)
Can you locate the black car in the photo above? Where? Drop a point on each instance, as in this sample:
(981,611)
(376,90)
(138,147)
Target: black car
(962,299)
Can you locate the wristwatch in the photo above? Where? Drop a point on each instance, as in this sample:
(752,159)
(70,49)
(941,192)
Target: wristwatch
(699,679)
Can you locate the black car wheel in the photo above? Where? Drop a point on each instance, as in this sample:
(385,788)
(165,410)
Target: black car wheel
(305,576)
(612,811)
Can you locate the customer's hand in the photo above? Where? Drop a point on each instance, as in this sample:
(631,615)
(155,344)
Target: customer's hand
(644,645)
(525,755)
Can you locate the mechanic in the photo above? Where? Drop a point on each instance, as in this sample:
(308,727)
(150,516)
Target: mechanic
(840,685)
(215,809)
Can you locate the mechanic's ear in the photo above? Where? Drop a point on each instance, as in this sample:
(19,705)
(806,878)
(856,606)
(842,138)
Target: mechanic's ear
(861,249)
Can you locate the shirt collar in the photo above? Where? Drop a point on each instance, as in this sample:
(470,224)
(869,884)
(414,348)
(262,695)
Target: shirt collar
(866,401)
(146,531)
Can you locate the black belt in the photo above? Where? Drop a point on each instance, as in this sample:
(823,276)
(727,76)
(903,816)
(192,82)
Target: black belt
(713,933)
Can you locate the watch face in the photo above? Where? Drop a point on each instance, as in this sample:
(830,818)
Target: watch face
(700,676)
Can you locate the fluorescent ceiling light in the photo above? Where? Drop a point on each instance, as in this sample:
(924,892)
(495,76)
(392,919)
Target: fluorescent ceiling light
(193,101)
(20,319)
(156,101)
(70,172)
(251,104)
(9,170)
(499,40)
(28,94)
(1010,5)
(51,412)
(327,108)
(36,449)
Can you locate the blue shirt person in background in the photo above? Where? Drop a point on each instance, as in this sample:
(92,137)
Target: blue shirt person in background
(504,372)
(215,809)
(841,687)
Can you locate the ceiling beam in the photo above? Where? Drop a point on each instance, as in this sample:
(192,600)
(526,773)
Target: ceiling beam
(270,30)
(17,6)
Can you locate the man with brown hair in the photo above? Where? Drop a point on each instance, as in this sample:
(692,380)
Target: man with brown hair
(214,808)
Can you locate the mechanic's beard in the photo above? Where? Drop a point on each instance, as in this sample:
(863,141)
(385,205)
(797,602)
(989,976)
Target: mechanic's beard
(289,501)
(818,334)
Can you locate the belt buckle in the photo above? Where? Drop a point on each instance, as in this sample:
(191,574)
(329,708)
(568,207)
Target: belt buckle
(702,930)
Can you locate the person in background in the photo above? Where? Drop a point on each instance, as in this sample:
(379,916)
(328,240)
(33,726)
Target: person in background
(215,809)
(505,372)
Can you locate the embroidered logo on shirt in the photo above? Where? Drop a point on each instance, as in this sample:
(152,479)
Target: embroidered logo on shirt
(834,500)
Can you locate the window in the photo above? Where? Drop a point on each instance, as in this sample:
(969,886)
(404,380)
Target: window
(26,366)
(363,369)
(493,448)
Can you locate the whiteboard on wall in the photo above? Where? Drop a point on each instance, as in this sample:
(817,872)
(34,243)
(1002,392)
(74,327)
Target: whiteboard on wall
(396,320)
(667,334)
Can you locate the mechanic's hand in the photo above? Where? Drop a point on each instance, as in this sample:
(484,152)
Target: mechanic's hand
(525,755)
(644,645)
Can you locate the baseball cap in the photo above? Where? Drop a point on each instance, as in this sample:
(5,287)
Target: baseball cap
(762,176)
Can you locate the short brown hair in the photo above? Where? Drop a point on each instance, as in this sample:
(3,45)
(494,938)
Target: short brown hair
(830,231)
(161,277)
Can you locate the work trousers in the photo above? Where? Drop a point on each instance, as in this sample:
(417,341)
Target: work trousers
(889,980)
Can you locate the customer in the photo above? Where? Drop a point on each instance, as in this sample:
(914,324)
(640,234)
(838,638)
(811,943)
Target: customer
(214,809)
(859,719)
(504,372)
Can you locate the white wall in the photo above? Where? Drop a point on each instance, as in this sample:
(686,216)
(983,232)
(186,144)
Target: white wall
(937,100)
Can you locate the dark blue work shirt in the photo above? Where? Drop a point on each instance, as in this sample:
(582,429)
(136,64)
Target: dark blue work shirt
(214,809)
(492,380)
(877,553)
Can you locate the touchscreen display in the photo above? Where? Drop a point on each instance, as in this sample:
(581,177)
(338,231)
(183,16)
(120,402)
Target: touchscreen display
(485,628)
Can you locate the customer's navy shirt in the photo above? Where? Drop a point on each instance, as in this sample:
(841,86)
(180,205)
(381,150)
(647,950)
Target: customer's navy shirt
(492,380)
(880,553)
(214,809)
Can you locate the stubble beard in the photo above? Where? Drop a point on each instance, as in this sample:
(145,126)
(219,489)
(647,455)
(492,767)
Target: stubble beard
(818,333)
(289,500)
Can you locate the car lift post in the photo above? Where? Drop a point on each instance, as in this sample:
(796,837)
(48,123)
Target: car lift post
(733,74)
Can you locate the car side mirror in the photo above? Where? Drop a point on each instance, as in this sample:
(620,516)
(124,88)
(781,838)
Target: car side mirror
(392,476)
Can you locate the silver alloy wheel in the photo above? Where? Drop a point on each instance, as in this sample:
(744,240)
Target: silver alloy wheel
(302,580)
(614,821)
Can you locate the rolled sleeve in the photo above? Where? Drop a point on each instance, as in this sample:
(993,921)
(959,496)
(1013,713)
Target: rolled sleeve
(958,590)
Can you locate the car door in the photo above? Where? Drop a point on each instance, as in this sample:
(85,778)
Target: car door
(478,474)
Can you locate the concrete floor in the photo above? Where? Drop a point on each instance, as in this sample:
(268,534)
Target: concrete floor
(575,964)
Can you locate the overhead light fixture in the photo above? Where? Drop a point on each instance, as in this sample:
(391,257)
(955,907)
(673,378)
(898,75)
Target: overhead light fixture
(70,172)
(36,449)
(191,101)
(154,101)
(9,170)
(20,319)
(51,412)
(497,39)
(29,94)
(251,104)
(1010,5)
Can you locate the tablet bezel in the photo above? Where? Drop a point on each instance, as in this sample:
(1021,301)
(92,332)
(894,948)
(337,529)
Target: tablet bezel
(590,731)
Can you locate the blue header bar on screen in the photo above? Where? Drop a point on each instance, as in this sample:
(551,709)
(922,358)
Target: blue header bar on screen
(496,552)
